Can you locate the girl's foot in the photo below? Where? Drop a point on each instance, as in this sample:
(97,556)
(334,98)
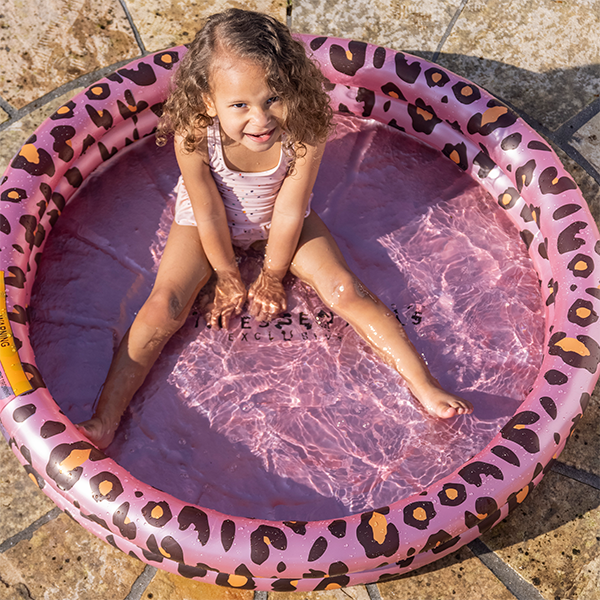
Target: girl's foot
(100,434)
(440,403)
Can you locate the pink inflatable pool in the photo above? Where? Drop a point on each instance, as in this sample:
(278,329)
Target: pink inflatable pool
(472,129)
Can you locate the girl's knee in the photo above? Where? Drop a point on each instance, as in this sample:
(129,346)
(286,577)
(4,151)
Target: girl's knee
(346,293)
(164,312)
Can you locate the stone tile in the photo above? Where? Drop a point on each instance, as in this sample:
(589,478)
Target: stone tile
(62,561)
(553,539)
(174,587)
(167,23)
(15,135)
(542,56)
(415,26)
(460,575)
(46,44)
(582,449)
(587,141)
(21,501)
(358,592)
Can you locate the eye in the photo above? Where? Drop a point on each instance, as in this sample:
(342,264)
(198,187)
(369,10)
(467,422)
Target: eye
(273,100)
(239,105)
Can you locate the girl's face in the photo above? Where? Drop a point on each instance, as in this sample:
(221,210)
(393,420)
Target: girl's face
(249,112)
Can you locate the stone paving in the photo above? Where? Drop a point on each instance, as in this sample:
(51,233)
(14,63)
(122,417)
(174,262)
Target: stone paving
(542,57)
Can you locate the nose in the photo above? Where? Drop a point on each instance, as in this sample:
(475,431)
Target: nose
(260,116)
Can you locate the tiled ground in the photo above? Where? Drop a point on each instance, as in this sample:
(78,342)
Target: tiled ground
(540,56)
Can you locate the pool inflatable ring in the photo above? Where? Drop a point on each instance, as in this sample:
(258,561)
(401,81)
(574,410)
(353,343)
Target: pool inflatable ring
(473,129)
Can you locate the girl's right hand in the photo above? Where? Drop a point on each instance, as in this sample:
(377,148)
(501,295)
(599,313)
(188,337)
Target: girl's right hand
(230,296)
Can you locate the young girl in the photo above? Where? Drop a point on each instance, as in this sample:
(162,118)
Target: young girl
(250,118)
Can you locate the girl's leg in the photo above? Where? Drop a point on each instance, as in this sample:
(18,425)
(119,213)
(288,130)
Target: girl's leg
(183,271)
(319,262)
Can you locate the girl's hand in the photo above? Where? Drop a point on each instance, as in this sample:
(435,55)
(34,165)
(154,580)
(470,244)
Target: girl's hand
(267,297)
(230,296)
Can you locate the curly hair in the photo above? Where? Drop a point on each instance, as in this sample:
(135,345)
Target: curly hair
(289,73)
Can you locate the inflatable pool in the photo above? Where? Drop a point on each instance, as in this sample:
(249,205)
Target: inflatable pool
(477,133)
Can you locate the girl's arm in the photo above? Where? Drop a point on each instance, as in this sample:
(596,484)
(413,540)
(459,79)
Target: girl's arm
(209,212)
(267,296)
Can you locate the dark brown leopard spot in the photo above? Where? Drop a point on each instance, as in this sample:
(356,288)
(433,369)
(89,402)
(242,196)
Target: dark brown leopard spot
(408,72)
(582,313)
(551,184)
(348,61)
(142,75)
(191,515)
(262,538)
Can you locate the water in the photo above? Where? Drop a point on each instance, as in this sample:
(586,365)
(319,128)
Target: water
(299,420)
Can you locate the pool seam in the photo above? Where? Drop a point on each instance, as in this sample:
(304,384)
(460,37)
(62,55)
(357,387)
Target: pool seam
(448,31)
(27,533)
(576,474)
(141,583)
(519,587)
(134,29)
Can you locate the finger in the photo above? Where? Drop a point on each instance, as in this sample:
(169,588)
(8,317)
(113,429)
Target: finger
(225,319)
(238,307)
(215,319)
(255,308)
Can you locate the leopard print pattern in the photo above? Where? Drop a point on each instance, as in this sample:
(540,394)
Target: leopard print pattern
(482,137)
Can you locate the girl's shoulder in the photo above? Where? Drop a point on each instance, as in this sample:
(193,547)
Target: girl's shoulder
(200,141)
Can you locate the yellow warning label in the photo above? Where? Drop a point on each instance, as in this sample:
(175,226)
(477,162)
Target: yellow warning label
(11,364)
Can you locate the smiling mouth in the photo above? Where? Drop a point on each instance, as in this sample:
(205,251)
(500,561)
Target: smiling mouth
(261,137)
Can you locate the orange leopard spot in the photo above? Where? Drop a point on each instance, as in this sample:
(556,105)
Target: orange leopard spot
(97,90)
(378,524)
(157,512)
(455,156)
(30,153)
(491,115)
(467,91)
(63,110)
(419,514)
(583,313)
(105,487)
(266,540)
(164,552)
(349,55)
(333,586)
(555,181)
(237,580)
(13,195)
(506,198)
(522,495)
(32,477)
(425,114)
(74,460)
(452,494)
(581,266)
(436,77)
(573,345)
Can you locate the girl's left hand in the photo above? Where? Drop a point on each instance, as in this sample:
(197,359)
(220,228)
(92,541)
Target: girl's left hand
(267,297)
